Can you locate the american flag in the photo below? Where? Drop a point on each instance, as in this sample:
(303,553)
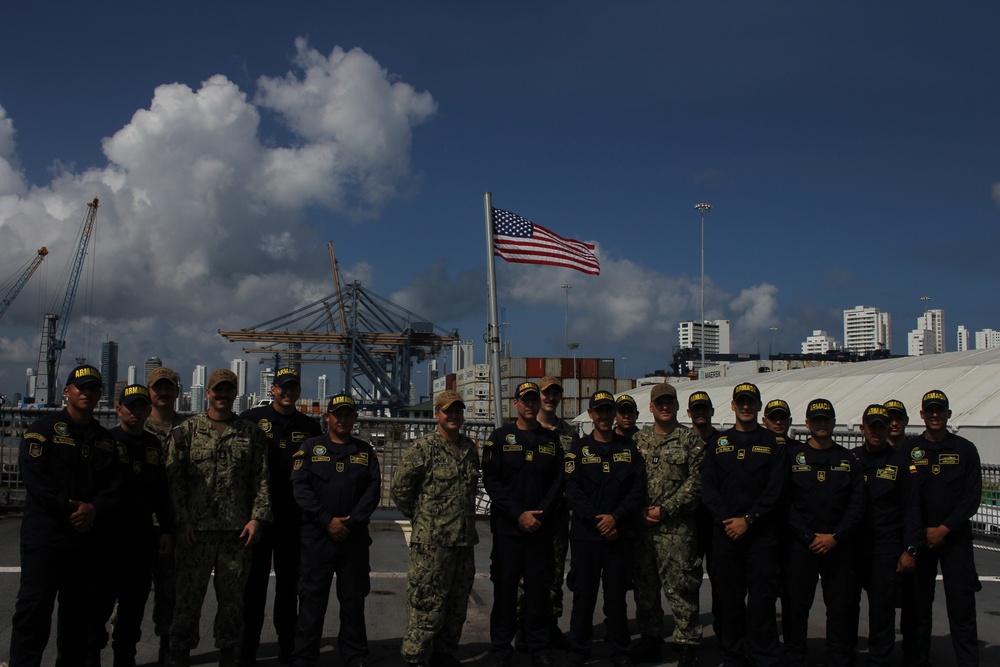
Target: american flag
(519,240)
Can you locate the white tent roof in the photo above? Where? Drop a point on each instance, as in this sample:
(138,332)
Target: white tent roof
(970,379)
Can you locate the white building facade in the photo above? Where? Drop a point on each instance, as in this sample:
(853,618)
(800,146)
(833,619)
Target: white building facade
(715,332)
(963,338)
(867,329)
(820,342)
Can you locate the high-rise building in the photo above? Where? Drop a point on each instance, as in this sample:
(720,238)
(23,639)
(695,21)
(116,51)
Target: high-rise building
(919,342)
(151,364)
(321,388)
(199,378)
(266,380)
(716,335)
(197,398)
(987,338)
(109,370)
(963,339)
(933,321)
(867,329)
(462,355)
(242,402)
(820,342)
(133,375)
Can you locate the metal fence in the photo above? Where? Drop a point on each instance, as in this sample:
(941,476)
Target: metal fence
(390,437)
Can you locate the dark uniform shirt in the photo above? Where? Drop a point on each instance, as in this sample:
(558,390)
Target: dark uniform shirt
(336,480)
(144,490)
(892,512)
(522,472)
(827,493)
(744,474)
(604,478)
(285,436)
(60,461)
(951,481)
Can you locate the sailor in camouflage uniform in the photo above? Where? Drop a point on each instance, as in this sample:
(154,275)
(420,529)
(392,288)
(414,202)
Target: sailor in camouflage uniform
(435,487)
(337,483)
(164,387)
(218,484)
(666,549)
(71,474)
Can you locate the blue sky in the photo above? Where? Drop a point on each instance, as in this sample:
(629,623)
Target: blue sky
(850,152)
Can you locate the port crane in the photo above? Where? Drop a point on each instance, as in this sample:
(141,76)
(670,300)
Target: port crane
(55,324)
(374,340)
(22,280)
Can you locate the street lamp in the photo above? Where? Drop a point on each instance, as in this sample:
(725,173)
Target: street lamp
(770,352)
(704,208)
(573,347)
(567,287)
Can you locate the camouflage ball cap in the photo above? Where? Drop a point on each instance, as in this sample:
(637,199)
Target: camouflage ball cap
(446,399)
(222,376)
(163,373)
(550,381)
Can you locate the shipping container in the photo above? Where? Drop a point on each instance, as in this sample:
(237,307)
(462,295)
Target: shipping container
(587,387)
(451,381)
(535,367)
(570,368)
(570,408)
(624,385)
(588,368)
(606,368)
(513,367)
(440,384)
(571,388)
(480,372)
(477,410)
(553,367)
(606,384)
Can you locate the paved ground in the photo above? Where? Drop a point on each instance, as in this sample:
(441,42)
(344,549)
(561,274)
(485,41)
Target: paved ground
(386,614)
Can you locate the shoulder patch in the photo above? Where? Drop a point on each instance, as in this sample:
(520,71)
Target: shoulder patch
(34,436)
(61,428)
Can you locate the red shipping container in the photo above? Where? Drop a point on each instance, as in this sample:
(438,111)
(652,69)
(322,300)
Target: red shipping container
(588,368)
(535,366)
(570,368)
(449,382)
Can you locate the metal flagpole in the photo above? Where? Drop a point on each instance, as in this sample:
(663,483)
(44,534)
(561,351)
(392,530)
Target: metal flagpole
(493,334)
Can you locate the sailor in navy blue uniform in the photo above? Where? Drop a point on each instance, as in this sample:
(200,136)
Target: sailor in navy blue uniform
(826,503)
(887,542)
(605,489)
(951,486)
(743,480)
(522,472)
(337,483)
(70,468)
(285,429)
(126,573)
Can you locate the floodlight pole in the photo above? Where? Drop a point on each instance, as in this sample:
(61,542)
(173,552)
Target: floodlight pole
(704,208)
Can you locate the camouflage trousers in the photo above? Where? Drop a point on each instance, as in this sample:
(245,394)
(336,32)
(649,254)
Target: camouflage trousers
(668,562)
(224,552)
(439,581)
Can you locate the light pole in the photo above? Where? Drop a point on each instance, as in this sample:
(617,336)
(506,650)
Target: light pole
(573,347)
(770,352)
(567,287)
(704,208)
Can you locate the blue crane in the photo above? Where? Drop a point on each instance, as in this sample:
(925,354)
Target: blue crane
(55,325)
(22,280)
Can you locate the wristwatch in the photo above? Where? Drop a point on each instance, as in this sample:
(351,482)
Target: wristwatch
(749,519)
(912,551)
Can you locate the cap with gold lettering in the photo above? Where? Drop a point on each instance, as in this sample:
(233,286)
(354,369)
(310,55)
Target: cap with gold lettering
(163,373)
(601,398)
(934,397)
(746,389)
(700,398)
(286,375)
(81,375)
(550,381)
(777,405)
(133,393)
(222,376)
(875,413)
(341,401)
(625,403)
(820,407)
(526,388)
(446,399)
(895,406)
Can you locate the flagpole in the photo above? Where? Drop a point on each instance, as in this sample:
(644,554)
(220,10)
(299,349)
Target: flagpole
(493,333)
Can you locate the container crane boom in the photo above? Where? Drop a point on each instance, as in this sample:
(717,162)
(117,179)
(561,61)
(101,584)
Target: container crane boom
(56,324)
(22,280)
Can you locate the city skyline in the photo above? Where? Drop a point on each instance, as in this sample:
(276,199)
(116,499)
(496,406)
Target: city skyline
(233,145)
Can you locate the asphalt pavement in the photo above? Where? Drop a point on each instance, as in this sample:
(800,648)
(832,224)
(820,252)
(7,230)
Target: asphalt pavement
(386,612)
